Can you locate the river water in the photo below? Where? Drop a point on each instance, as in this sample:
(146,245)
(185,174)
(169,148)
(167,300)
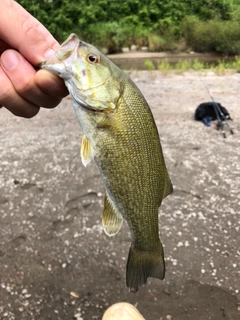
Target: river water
(136,60)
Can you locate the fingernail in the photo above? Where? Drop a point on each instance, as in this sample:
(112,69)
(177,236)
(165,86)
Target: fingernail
(9,60)
(49,53)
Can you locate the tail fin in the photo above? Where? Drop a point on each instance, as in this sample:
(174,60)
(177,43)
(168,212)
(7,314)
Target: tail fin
(144,264)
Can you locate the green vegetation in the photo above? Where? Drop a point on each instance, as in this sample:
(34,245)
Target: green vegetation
(220,68)
(205,25)
(165,66)
(148,64)
(182,66)
(212,35)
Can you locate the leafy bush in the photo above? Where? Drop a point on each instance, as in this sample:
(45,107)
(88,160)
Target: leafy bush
(162,39)
(105,35)
(199,35)
(229,40)
(155,42)
(212,35)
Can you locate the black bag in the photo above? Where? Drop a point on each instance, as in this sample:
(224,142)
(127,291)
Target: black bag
(208,110)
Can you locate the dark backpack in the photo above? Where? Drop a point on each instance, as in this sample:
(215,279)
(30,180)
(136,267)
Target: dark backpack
(208,110)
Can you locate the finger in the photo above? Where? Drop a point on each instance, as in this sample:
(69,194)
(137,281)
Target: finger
(3,46)
(26,15)
(31,38)
(11,100)
(51,84)
(24,84)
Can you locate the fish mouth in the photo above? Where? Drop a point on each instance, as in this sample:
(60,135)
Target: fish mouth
(42,65)
(71,42)
(57,68)
(56,62)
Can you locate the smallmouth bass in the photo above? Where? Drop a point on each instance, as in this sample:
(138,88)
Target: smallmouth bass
(120,134)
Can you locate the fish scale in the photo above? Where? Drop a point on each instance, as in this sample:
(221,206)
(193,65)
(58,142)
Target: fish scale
(121,136)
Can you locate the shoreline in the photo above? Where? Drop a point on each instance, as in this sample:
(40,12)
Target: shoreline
(136,59)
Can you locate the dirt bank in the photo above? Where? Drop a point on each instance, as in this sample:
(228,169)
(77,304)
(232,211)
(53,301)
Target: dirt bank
(55,260)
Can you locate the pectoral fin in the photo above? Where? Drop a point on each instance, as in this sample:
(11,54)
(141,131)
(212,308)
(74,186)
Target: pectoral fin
(111,219)
(105,121)
(87,151)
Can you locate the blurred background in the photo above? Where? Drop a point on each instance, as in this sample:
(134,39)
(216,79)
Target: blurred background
(201,25)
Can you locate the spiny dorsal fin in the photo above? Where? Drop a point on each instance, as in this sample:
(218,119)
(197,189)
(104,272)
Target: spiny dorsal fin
(87,151)
(111,219)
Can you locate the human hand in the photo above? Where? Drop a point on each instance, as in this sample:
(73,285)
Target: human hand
(122,311)
(24,44)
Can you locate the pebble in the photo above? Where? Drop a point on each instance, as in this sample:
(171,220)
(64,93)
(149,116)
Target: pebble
(76,235)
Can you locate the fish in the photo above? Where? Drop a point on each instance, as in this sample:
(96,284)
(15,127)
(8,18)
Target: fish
(120,134)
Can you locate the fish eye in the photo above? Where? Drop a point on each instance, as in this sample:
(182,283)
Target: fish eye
(93,58)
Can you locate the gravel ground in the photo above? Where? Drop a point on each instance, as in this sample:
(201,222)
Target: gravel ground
(55,260)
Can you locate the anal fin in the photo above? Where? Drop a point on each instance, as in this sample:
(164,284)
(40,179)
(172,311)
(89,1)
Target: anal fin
(111,218)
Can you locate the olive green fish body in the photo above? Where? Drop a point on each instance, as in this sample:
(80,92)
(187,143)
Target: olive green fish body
(133,170)
(121,135)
